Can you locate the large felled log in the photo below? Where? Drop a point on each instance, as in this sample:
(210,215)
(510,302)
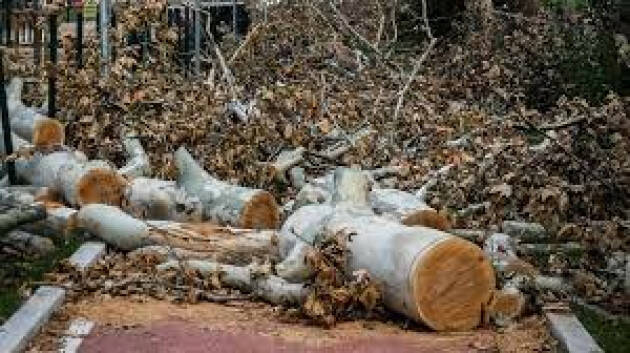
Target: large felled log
(28,123)
(125,232)
(59,221)
(160,200)
(428,275)
(225,203)
(78,180)
(268,287)
(115,227)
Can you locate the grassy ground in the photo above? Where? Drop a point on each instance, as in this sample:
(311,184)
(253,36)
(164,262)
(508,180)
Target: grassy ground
(16,272)
(612,336)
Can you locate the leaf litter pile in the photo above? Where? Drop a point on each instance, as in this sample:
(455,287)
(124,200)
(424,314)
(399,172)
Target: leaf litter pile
(490,103)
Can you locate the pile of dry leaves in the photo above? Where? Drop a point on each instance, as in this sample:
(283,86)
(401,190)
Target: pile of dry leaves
(490,102)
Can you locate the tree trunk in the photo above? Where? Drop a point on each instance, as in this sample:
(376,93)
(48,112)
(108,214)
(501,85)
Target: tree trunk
(268,287)
(224,203)
(27,123)
(428,275)
(160,200)
(60,221)
(79,181)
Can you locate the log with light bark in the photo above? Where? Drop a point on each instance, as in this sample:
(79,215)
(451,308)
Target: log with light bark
(407,209)
(430,276)
(27,243)
(28,123)
(234,246)
(15,215)
(76,179)
(224,203)
(160,200)
(285,161)
(138,164)
(249,279)
(60,221)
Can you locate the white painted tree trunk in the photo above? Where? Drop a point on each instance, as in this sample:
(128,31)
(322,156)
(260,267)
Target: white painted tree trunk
(28,123)
(28,243)
(59,221)
(428,275)
(160,200)
(225,203)
(268,287)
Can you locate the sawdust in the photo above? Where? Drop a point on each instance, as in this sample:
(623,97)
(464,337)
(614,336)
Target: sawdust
(260,318)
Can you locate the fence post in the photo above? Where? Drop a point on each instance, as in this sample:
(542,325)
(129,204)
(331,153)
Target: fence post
(7,22)
(52,75)
(79,11)
(104,26)
(6,127)
(197,38)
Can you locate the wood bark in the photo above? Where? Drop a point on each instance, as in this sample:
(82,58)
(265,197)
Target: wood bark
(160,200)
(249,279)
(225,203)
(28,123)
(76,179)
(430,276)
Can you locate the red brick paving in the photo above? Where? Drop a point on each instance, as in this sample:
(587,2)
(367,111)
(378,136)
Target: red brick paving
(182,337)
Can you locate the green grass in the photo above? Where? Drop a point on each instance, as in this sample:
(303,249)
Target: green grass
(19,272)
(612,336)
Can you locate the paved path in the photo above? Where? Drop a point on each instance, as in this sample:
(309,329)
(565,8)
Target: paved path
(183,337)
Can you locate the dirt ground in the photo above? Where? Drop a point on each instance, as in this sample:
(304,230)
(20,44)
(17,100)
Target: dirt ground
(126,325)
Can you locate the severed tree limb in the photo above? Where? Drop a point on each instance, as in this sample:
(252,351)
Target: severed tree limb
(285,161)
(27,243)
(160,200)
(18,215)
(225,203)
(28,123)
(138,164)
(249,279)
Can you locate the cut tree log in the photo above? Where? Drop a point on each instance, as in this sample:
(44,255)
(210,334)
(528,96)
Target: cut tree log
(285,161)
(338,151)
(114,226)
(225,245)
(249,279)
(60,221)
(77,180)
(138,164)
(28,243)
(430,276)
(18,144)
(506,306)
(225,203)
(407,209)
(234,246)
(16,215)
(28,123)
(160,200)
